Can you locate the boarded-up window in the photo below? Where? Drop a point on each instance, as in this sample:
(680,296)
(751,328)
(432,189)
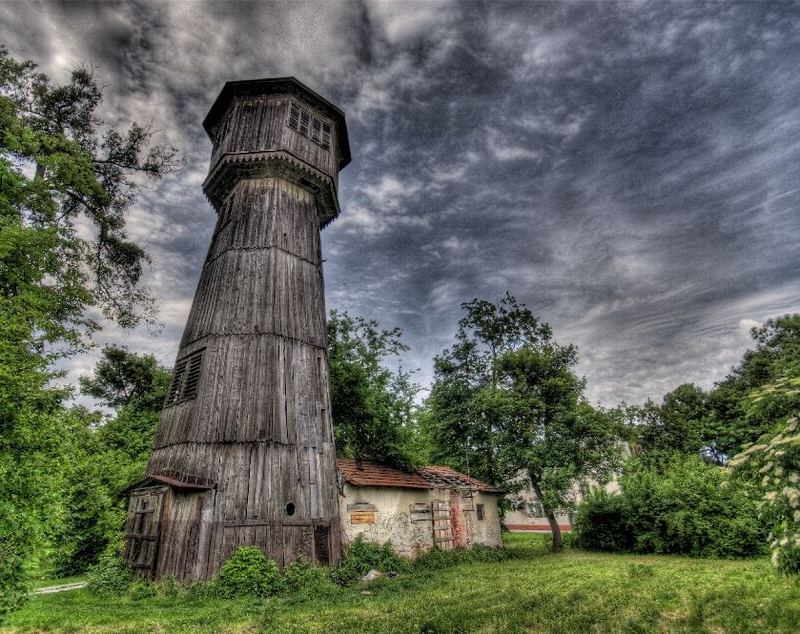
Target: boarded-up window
(480,512)
(185,378)
(310,126)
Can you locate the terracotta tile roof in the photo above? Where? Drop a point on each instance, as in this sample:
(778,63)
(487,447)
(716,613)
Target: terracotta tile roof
(449,477)
(373,474)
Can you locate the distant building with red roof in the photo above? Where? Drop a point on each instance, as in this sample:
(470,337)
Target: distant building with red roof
(416,510)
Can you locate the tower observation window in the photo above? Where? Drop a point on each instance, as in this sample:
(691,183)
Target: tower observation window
(309,126)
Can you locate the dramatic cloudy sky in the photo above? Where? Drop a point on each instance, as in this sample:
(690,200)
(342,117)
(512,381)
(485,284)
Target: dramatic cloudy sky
(629,170)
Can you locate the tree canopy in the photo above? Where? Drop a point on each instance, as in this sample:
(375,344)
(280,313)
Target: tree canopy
(108,454)
(373,407)
(60,166)
(721,422)
(506,402)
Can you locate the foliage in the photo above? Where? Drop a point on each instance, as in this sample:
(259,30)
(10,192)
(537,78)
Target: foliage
(600,523)
(108,456)
(362,556)
(505,401)
(439,559)
(302,577)
(31,454)
(534,591)
(462,434)
(723,421)
(549,431)
(683,422)
(774,362)
(678,506)
(373,408)
(61,168)
(775,464)
(122,378)
(248,572)
(109,576)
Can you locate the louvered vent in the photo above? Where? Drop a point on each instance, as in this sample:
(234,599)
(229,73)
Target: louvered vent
(185,379)
(193,375)
(311,127)
(174,394)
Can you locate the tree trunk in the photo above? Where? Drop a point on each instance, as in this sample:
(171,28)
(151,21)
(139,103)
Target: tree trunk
(558,541)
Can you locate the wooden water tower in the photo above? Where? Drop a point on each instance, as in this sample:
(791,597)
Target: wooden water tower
(244,451)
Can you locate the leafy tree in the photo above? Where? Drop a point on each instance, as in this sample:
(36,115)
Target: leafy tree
(772,465)
(548,430)
(506,401)
(123,378)
(462,433)
(60,167)
(683,423)
(109,455)
(775,359)
(373,408)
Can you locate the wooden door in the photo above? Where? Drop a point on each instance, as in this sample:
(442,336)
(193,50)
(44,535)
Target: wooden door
(143,529)
(442,531)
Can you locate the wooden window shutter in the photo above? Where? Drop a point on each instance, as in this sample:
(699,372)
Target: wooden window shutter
(309,126)
(185,379)
(175,387)
(316,130)
(326,137)
(194,363)
(294,117)
(305,120)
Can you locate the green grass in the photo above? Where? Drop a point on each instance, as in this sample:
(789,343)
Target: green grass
(539,592)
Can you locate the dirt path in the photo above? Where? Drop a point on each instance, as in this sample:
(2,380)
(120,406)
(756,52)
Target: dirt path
(61,588)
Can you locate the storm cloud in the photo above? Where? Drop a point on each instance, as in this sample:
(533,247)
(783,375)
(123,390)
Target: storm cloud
(628,170)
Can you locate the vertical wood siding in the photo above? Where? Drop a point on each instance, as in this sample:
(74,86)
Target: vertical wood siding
(254,124)
(260,426)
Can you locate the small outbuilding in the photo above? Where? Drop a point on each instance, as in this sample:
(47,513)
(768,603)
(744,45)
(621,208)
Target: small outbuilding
(434,505)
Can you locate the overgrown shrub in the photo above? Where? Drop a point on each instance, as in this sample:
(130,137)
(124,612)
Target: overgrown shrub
(304,578)
(110,576)
(13,589)
(363,556)
(680,505)
(600,523)
(139,590)
(203,590)
(247,573)
(171,587)
(438,559)
(568,539)
(774,465)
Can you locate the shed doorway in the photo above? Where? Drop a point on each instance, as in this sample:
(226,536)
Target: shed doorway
(143,529)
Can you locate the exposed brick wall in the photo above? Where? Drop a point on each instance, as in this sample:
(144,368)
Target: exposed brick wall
(460,537)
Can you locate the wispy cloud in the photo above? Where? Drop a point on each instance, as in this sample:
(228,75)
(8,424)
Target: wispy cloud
(627,169)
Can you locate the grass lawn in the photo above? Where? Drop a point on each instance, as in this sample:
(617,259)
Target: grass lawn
(572,592)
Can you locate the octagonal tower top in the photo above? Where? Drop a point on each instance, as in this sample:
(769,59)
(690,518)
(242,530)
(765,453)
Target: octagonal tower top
(276,127)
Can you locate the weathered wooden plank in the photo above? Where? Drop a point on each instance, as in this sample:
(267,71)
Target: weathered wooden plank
(259,427)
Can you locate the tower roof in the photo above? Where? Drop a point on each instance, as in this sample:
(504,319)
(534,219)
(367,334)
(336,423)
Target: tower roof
(275,85)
